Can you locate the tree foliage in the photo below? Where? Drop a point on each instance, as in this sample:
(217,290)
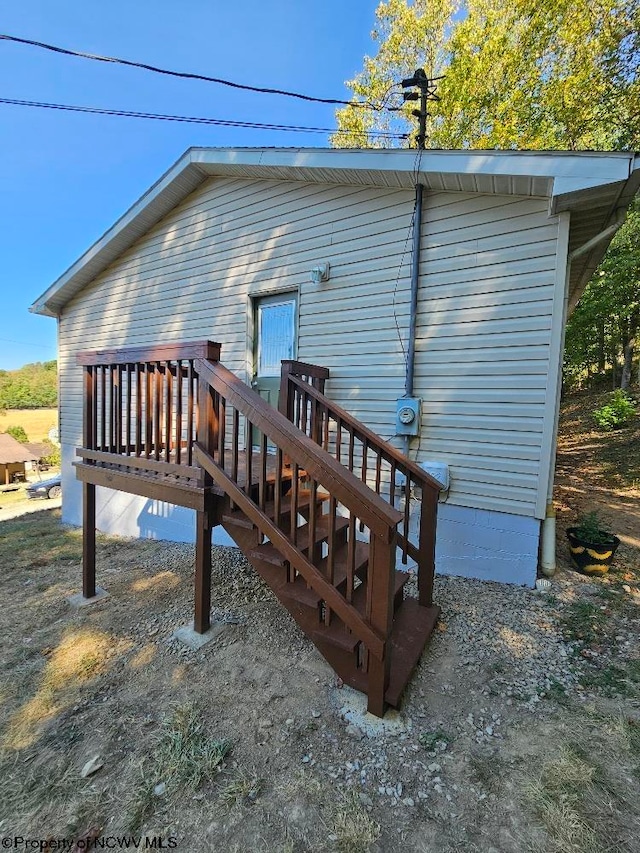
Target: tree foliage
(554,74)
(547,75)
(33,386)
(18,433)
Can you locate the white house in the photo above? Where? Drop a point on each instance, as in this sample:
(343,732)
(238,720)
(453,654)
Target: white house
(317,246)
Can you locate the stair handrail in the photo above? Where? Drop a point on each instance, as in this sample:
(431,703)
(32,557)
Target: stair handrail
(181,351)
(315,412)
(363,432)
(378,515)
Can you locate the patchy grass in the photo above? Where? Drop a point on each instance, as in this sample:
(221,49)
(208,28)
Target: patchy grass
(584,622)
(243,789)
(36,542)
(78,658)
(354,830)
(13,497)
(557,692)
(431,740)
(185,757)
(610,681)
(186,754)
(581,793)
(559,797)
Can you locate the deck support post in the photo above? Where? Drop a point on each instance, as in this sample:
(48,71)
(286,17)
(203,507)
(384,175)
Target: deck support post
(89,489)
(208,433)
(427,562)
(202,616)
(88,540)
(381,577)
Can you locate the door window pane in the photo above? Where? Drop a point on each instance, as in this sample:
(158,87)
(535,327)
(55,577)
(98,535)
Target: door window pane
(276,323)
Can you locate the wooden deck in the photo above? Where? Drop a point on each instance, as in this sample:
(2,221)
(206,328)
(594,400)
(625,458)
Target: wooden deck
(182,485)
(321,506)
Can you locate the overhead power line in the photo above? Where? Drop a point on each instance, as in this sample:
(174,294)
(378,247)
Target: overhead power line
(185,74)
(217,122)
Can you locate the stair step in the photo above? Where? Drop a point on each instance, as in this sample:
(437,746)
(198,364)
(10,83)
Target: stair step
(304,502)
(270,553)
(336,635)
(360,594)
(299,591)
(340,562)
(412,627)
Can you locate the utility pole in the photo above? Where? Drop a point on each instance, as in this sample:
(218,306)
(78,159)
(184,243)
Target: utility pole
(427,92)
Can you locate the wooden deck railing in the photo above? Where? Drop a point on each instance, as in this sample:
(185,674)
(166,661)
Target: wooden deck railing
(377,463)
(142,403)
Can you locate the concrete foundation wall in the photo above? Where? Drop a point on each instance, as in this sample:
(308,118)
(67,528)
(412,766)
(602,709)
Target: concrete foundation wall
(473,543)
(493,546)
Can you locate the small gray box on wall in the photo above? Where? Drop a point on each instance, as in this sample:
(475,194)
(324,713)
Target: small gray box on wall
(408,415)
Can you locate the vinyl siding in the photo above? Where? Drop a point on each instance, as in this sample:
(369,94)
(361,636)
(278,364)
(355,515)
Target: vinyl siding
(484,324)
(191,277)
(486,296)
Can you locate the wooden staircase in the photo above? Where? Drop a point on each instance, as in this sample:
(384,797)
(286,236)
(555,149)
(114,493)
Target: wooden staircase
(320,506)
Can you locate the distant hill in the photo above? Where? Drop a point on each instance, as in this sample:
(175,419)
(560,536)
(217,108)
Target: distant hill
(34,386)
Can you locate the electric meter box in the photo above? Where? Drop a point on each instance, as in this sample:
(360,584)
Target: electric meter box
(408,415)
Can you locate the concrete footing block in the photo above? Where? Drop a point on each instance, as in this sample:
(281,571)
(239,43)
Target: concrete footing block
(190,638)
(352,707)
(78,600)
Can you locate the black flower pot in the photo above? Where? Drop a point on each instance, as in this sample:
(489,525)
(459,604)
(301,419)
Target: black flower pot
(590,558)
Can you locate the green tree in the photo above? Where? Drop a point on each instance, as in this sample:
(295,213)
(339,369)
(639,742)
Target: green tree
(18,433)
(34,386)
(555,74)
(53,457)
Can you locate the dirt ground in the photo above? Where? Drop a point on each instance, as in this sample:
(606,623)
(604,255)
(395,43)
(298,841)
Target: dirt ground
(519,732)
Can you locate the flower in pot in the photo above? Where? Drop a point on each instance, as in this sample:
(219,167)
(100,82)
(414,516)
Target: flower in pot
(592,547)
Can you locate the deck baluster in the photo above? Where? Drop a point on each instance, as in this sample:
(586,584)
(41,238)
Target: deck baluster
(127,441)
(222,431)
(191,413)
(168,411)
(277,489)
(406,520)
(351,556)
(331,549)
(178,427)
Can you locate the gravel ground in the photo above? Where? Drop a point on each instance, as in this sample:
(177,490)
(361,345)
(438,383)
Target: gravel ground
(494,671)
(507,684)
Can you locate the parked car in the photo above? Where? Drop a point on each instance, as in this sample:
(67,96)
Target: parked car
(46,488)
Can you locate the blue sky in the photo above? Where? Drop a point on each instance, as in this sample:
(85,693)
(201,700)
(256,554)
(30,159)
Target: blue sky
(65,177)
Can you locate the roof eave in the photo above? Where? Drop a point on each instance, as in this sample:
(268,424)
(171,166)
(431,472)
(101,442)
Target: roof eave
(175,185)
(545,174)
